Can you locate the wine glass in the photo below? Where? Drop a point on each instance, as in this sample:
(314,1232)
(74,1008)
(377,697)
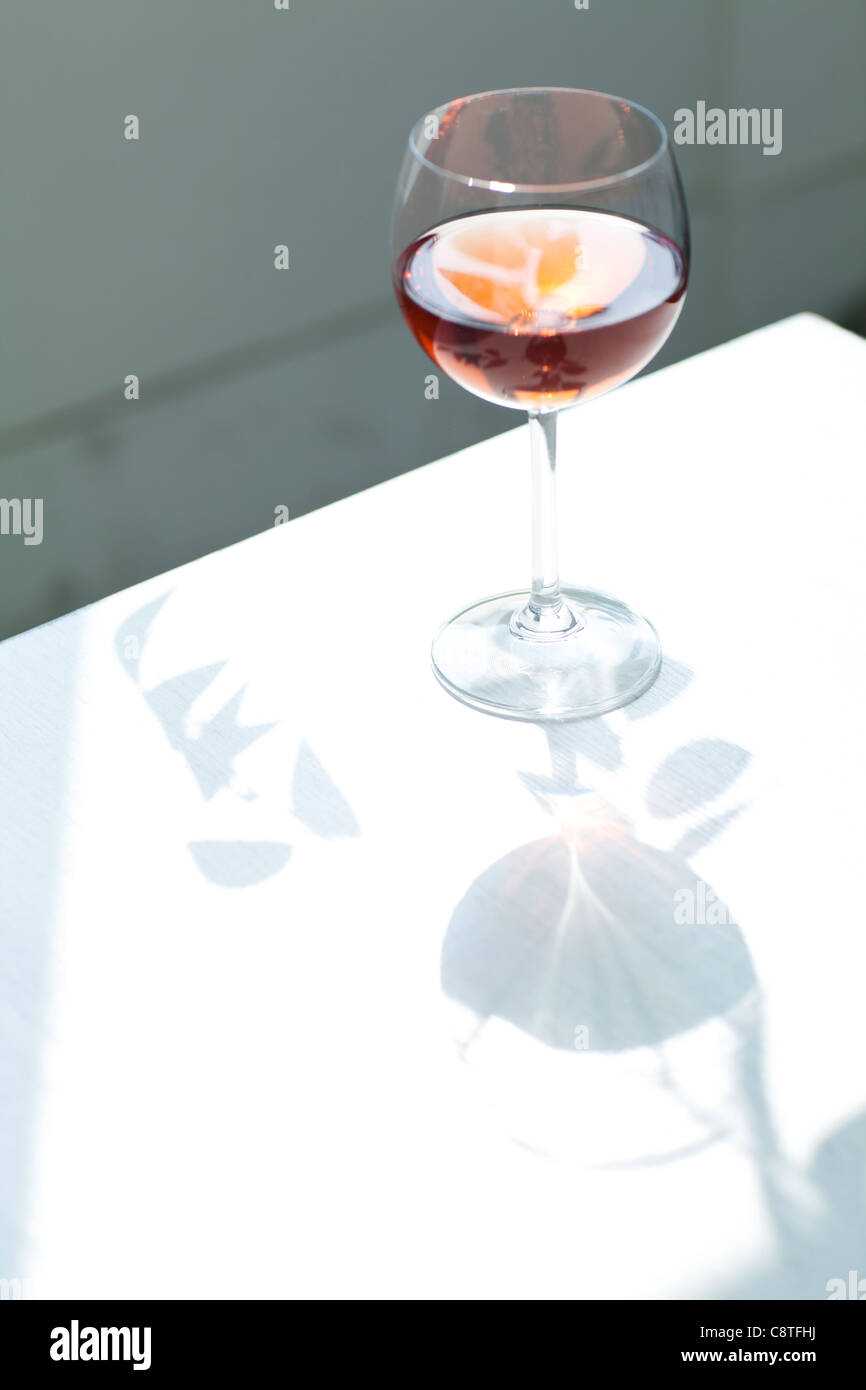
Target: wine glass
(540,255)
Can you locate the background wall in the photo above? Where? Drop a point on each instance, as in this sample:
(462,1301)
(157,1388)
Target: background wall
(261,388)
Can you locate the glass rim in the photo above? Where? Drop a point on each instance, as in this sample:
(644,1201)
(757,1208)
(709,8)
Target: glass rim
(503,186)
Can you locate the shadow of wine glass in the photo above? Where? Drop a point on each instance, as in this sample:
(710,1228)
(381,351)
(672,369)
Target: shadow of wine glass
(580,930)
(578,944)
(582,926)
(597,948)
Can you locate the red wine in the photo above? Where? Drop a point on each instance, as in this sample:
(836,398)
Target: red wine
(541,307)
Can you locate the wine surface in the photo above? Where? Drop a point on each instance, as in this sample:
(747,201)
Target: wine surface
(538,308)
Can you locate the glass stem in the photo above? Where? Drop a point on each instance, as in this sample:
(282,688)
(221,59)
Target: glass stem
(546,615)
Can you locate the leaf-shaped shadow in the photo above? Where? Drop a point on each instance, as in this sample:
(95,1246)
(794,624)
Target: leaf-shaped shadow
(239,863)
(132,634)
(172,700)
(580,930)
(694,774)
(702,835)
(212,754)
(317,802)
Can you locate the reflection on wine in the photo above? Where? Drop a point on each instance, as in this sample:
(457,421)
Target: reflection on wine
(540,307)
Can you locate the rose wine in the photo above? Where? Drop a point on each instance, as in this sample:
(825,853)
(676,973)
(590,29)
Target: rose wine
(541,307)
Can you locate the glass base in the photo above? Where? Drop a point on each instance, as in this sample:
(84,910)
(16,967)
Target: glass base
(607,658)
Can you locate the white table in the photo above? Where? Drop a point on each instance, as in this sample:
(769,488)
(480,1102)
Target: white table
(229,1067)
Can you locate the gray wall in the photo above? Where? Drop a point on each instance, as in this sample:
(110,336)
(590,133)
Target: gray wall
(262,388)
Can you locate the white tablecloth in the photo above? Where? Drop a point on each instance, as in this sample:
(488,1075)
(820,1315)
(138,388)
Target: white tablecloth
(316,983)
